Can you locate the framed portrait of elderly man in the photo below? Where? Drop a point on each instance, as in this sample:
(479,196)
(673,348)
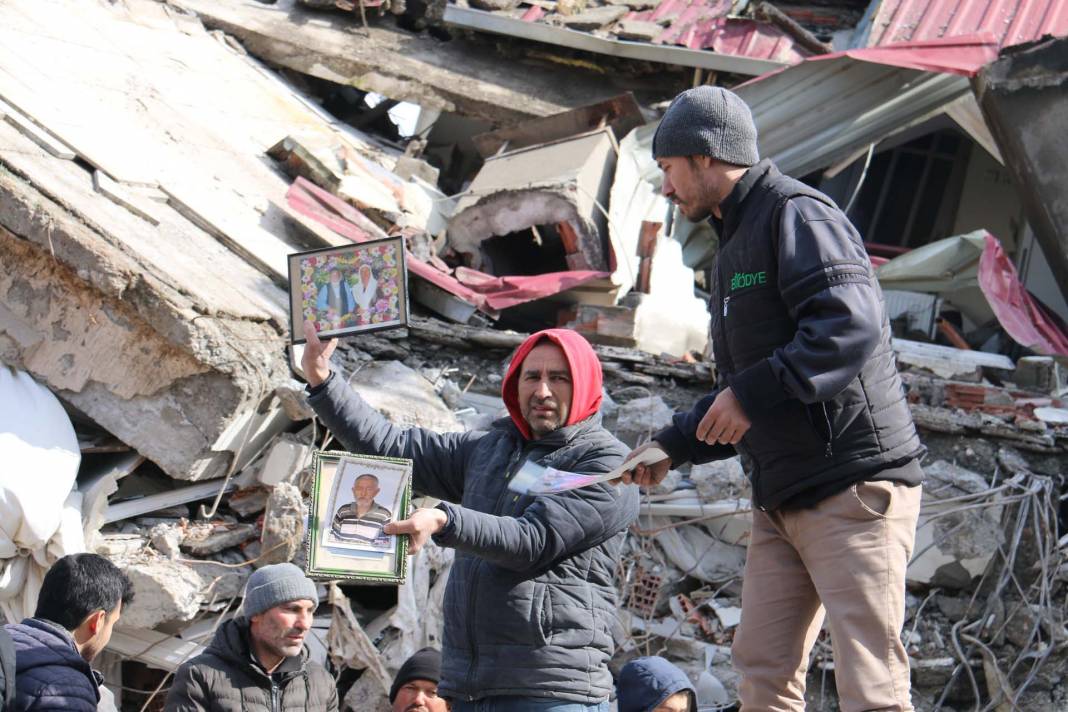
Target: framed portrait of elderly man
(348,290)
(353,498)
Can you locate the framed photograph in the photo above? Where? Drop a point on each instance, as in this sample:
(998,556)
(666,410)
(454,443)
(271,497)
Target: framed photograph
(353,498)
(348,290)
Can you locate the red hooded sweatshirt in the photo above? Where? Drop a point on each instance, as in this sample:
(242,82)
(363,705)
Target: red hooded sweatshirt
(585,376)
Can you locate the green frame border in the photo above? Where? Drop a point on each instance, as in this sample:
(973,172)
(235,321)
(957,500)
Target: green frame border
(400,571)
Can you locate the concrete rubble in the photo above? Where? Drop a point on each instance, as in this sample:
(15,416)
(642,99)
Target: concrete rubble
(145,314)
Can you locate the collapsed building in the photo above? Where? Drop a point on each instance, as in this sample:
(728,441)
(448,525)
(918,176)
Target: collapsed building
(159,161)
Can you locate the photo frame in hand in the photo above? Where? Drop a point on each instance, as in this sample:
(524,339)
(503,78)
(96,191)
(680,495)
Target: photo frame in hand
(353,497)
(348,290)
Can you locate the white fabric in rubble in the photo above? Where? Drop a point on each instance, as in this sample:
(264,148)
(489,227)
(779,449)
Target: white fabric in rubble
(40,512)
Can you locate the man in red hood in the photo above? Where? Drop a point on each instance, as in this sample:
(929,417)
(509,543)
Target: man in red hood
(530,601)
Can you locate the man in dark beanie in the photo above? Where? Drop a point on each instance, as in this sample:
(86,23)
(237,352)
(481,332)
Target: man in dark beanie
(809,395)
(257,661)
(415,688)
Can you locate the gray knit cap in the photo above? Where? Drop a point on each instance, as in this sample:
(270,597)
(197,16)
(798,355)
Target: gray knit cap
(708,121)
(274,585)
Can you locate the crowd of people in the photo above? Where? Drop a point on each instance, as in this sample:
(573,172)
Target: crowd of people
(807,394)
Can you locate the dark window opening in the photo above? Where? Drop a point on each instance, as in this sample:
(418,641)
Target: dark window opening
(911,191)
(535,250)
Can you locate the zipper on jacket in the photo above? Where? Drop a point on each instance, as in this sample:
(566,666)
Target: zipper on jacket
(726,303)
(829,452)
(274,696)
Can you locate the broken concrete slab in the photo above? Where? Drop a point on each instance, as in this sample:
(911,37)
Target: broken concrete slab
(622,113)
(593,18)
(167,334)
(286,458)
(404,396)
(248,500)
(720,480)
(119,545)
(211,539)
(167,539)
(223,576)
(698,553)
(459,76)
(563,184)
(639,419)
(1020,95)
(954,544)
(283,526)
(164,591)
(638,30)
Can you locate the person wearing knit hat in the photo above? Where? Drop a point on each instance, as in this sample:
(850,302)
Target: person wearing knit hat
(808,394)
(530,603)
(257,660)
(415,688)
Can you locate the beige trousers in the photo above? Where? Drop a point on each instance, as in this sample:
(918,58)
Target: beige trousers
(844,559)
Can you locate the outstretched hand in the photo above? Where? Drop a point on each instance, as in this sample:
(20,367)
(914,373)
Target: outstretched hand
(316,359)
(422,524)
(646,475)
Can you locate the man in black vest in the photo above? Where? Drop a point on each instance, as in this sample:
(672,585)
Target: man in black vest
(808,394)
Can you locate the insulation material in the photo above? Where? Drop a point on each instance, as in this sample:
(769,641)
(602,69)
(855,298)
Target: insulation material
(40,515)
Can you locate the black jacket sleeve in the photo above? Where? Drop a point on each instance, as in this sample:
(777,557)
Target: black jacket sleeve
(829,287)
(679,440)
(554,526)
(439,459)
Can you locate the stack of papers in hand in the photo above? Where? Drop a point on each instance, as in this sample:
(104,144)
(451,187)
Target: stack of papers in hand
(533,478)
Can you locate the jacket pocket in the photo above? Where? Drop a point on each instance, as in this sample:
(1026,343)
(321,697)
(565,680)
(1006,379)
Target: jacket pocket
(787,430)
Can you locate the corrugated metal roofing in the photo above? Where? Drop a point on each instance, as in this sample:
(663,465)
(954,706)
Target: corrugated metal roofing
(824,110)
(1010,21)
(705,24)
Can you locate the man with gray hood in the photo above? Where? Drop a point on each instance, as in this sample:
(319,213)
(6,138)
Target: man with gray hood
(257,661)
(810,397)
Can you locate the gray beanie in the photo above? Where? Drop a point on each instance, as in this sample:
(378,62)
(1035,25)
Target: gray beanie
(708,121)
(274,585)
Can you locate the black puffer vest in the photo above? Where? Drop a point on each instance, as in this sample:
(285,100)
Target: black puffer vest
(795,448)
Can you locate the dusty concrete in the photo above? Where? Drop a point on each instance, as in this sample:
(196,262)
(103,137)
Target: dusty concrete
(111,335)
(460,76)
(163,591)
(283,525)
(212,540)
(404,396)
(720,479)
(639,419)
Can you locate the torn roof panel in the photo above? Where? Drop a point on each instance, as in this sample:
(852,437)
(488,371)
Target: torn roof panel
(716,40)
(706,24)
(1010,21)
(825,109)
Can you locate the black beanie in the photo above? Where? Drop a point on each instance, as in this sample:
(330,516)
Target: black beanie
(423,665)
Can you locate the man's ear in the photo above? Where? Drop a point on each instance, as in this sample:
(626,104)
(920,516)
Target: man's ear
(95,621)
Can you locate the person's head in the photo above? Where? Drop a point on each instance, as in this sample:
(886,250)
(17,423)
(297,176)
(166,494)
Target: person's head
(364,489)
(415,688)
(85,594)
(365,274)
(704,145)
(335,276)
(278,606)
(554,380)
(653,684)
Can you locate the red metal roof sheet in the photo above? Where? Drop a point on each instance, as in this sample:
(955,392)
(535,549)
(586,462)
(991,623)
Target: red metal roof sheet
(1010,21)
(704,24)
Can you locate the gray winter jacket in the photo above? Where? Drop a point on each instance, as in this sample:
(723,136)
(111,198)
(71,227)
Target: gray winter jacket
(530,602)
(227,678)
